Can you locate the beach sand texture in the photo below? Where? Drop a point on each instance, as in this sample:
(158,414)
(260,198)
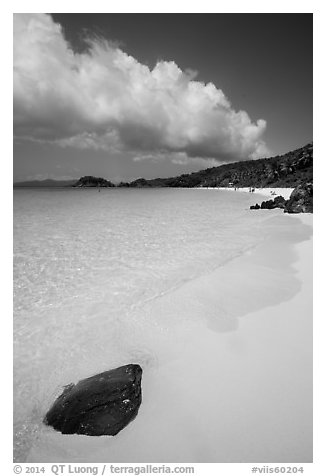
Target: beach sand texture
(270,192)
(232,380)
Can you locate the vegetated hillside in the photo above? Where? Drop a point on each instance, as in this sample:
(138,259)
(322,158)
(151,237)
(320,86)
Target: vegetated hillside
(45,183)
(286,170)
(90,181)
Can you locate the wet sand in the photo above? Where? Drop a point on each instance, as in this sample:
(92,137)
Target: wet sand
(227,365)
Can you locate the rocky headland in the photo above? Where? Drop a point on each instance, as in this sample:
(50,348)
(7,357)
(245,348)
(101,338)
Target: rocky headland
(291,170)
(288,170)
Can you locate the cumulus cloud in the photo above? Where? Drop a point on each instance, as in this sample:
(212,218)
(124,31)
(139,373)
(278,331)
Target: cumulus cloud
(105,99)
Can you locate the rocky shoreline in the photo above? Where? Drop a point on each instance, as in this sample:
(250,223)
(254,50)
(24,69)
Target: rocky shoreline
(300,201)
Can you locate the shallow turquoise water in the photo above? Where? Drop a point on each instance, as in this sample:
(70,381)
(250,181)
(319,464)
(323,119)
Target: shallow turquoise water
(85,264)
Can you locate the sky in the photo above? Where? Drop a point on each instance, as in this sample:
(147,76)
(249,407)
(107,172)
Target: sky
(123,96)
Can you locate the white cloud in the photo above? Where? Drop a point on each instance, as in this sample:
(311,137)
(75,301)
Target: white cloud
(181,158)
(178,158)
(104,99)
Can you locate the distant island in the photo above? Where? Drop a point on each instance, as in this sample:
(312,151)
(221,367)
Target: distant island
(288,170)
(90,181)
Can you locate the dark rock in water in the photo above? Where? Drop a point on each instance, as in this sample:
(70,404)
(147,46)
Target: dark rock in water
(278,202)
(301,199)
(268,204)
(100,405)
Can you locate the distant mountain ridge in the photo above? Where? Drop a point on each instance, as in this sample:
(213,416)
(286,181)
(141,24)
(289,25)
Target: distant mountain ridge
(45,183)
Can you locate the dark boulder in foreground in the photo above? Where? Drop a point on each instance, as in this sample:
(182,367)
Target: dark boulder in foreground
(301,199)
(100,405)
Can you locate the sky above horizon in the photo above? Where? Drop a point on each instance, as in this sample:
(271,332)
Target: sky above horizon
(123,96)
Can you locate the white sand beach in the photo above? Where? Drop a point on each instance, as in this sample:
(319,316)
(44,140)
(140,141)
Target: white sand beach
(270,192)
(232,380)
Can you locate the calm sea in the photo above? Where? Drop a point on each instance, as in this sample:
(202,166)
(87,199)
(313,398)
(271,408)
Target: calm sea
(85,264)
